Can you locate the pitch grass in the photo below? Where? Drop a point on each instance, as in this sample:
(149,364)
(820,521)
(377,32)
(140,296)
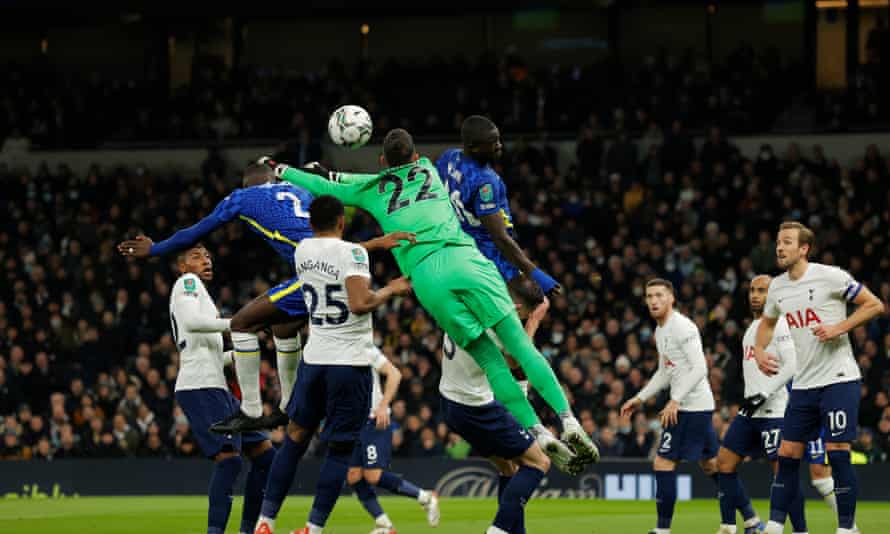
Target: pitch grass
(186,515)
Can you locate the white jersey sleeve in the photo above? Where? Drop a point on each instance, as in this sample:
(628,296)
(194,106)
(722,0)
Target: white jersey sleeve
(378,360)
(772,387)
(819,297)
(658,382)
(197,331)
(337,336)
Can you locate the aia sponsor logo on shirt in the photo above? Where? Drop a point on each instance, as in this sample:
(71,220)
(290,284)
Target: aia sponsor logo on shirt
(668,362)
(802,318)
(749,353)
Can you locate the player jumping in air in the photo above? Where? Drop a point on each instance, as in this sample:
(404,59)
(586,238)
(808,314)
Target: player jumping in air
(813,300)
(277,212)
(334,376)
(470,410)
(202,393)
(757,429)
(373,451)
(687,430)
(461,289)
(480,200)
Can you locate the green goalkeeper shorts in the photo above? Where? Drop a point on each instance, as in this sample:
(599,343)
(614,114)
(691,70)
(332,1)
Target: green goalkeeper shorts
(463,291)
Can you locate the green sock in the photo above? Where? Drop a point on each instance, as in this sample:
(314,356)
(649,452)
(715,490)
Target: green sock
(537,369)
(506,389)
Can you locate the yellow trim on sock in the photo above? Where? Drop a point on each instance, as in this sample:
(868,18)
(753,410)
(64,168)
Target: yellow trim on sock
(246,353)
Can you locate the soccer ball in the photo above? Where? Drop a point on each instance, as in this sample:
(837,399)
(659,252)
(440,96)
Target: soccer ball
(350,126)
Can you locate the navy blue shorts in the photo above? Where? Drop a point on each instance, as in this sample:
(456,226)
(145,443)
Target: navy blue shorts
(834,408)
(374,447)
(339,394)
(490,429)
(692,438)
(206,406)
(288,297)
(754,436)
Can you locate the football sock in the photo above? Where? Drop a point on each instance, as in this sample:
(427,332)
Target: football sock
(330,482)
(845,487)
(225,472)
(502,485)
(727,495)
(281,475)
(396,484)
(247,367)
(505,388)
(254,487)
(665,497)
(536,367)
(516,495)
(796,512)
(785,488)
(368,498)
(288,353)
(825,488)
(743,502)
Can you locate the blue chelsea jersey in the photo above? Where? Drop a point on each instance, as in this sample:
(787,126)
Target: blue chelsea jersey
(278,212)
(476,190)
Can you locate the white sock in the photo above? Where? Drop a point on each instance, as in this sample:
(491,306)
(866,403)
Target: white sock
(495,530)
(268,520)
(424,497)
(662,530)
(247,367)
(727,528)
(844,531)
(773,527)
(314,529)
(383,521)
(753,522)
(288,354)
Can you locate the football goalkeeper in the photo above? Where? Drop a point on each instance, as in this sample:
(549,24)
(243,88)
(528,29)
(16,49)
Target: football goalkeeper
(462,290)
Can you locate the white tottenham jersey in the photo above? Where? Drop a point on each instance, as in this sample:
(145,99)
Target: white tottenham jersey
(336,335)
(463,381)
(681,365)
(197,330)
(819,297)
(773,387)
(378,360)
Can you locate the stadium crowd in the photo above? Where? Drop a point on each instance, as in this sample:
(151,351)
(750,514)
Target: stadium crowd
(87,362)
(747,91)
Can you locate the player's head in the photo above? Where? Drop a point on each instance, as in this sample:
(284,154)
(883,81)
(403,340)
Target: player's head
(398,148)
(256,174)
(659,297)
(757,293)
(326,215)
(481,139)
(793,244)
(196,260)
(526,295)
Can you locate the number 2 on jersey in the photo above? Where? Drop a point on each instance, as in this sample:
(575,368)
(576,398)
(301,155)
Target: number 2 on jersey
(395,202)
(298,206)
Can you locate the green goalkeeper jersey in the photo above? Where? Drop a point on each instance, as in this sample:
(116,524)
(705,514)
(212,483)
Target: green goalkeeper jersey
(409,198)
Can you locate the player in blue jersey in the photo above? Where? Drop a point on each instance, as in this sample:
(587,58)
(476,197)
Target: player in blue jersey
(277,212)
(480,200)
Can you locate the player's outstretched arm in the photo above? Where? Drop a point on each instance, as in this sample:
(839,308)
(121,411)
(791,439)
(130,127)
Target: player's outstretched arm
(142,246)
(313,183)
(868,306)
(363,299)
(497,228)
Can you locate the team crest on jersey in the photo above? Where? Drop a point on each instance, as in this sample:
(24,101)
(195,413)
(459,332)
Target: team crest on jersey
(189,284)
(358,255)
(486,193)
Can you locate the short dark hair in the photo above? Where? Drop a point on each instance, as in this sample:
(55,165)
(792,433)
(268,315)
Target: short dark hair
(398,147)
(526,291)
(474,129)
(661,282)
(805,236)
(324,213)
(181,255)
(256,174)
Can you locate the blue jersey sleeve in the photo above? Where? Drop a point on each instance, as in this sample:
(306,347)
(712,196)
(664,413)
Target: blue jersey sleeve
(484,197)
(224,212)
